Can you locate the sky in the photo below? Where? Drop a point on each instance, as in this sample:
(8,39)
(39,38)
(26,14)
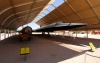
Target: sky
(50,8)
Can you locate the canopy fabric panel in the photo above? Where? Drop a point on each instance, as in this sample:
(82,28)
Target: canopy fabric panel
(15,13)
(75,11)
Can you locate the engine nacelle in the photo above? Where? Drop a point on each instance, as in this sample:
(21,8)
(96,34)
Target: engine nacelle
(27,30)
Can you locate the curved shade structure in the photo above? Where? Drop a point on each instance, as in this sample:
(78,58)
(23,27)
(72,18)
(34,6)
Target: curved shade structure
(15,13)
(75,11)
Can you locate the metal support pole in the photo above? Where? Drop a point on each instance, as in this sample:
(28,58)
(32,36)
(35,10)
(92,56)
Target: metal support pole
(43,33)
(76,33)
(68,33)
(85,58)
(25,57)
(14,32)
(59,32)
(87,34)
(5,34)
(55,33)
(0,34)
(48,34)
(63,34)
(11,32)
(8,33)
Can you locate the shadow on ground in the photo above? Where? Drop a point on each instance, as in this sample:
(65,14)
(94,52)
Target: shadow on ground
(41,51)
(71,40)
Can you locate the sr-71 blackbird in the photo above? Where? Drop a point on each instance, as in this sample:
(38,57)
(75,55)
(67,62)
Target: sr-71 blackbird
(52,27)
(60,26)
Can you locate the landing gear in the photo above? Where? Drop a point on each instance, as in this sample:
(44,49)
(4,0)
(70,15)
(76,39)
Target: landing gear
(24,37)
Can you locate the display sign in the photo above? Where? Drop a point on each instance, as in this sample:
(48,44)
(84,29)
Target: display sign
(24,50)
(93,48)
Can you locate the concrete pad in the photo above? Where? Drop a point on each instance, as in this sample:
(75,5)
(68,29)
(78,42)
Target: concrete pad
(45,50)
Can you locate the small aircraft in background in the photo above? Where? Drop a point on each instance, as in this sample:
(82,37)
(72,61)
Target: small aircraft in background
(27,31)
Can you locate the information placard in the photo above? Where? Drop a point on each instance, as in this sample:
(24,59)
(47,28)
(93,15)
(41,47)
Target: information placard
(93,48)
(25,50)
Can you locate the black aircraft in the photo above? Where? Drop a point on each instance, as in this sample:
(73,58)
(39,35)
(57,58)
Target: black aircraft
(51,28)
(60,26)
(25,33)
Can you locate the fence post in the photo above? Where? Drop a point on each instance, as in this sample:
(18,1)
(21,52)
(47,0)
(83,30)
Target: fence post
(85,58)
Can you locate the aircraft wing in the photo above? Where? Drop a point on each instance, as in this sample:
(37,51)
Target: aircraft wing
(60,26)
